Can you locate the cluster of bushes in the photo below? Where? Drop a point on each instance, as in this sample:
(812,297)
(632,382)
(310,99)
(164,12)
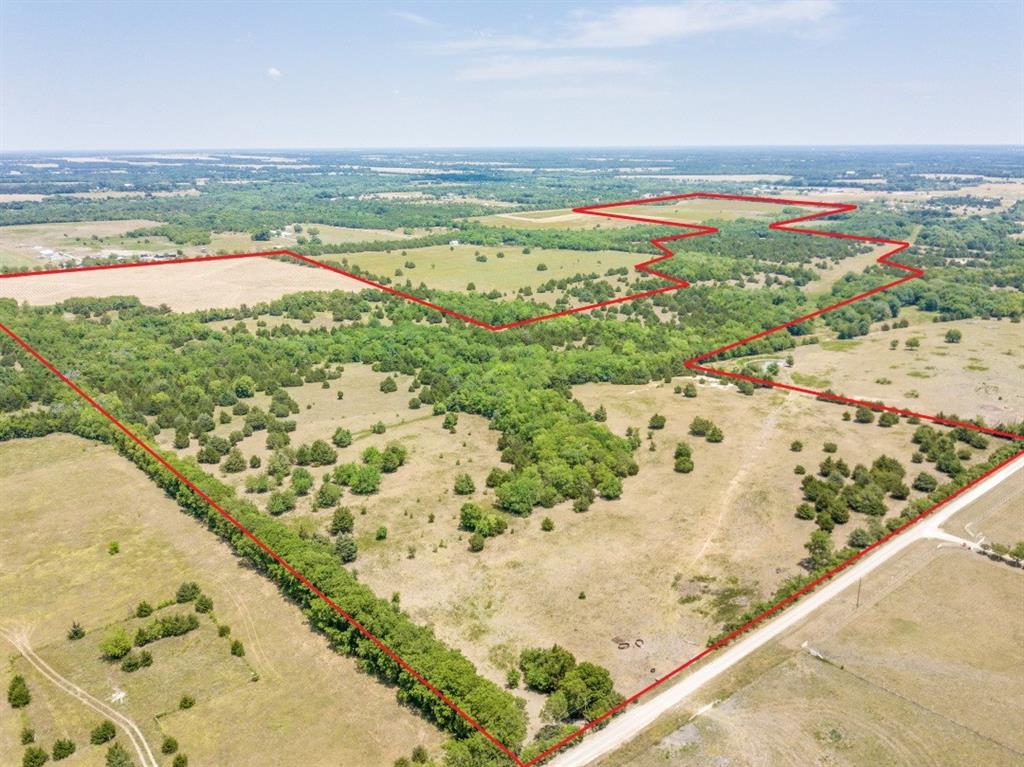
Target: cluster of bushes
(166,626)
(575,690)
(704,427)
(482,523)
(683,458)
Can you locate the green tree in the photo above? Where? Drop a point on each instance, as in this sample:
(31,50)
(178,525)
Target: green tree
(34,757)
(346,548)
(62,749)
(464,485)
(953,336)
(102,732)
(821,549)
(117,756)
(342,522)
(543,670)
(235,461)
(18,694)
(115,644)
(244,387)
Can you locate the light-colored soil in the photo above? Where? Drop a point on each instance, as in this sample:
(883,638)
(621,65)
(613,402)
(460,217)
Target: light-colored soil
(998,517)
(980,376)
(21,245)
(923,665)
(66,499)
(732,518)
(183,287)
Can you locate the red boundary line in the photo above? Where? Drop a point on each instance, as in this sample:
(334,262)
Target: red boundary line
(692,364)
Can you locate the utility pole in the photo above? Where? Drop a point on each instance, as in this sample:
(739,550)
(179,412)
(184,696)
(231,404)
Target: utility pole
(859,583)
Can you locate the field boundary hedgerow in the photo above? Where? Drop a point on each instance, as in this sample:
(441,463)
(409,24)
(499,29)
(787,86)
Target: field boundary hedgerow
(694,363)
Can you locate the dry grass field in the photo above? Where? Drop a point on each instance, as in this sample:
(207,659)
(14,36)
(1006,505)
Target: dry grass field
(730,523)
(453,267)
(927,670)
(68,499)
(998,517)
(183,287)
(980,376)
(21,245)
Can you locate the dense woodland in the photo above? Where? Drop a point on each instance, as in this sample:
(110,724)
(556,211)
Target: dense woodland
(156,370)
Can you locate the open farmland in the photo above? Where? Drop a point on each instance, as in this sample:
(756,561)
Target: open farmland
(979,376)
(916,668)
(182,287)
(504,269)
(73,498)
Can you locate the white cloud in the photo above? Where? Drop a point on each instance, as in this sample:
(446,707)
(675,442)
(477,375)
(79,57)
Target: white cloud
(414,18)
(274,73)
(636,26)
(520,67)
(642,25)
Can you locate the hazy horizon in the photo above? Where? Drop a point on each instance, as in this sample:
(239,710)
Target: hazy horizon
(129,76)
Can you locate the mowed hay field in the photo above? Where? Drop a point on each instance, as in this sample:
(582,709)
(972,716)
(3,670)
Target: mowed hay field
(730,522)
(183,287)
(927,670)
(453,267)
(64,501)
(978,377)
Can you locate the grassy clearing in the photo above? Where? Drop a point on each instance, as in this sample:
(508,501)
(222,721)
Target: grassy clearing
(453,267)
(67,499)
(980,376)
(183,287)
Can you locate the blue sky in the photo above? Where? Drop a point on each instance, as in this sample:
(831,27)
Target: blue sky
(84,75)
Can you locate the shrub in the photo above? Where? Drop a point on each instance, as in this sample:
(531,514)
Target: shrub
(169,746)
(187,592)
(117,756)
(28,735)
(543,670)
(547,524)
(476,542)
(237,648)
(18,694)
(657,422)
(180,761)
(388,385)
(143,610)
(62,749)
(342,437)
(342,521)
(346,548)
(381,534)
(203,604)
(796,446)
(34,757)
(76,631)
(116,644)
(102,732)
(186,702)
(464,485)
